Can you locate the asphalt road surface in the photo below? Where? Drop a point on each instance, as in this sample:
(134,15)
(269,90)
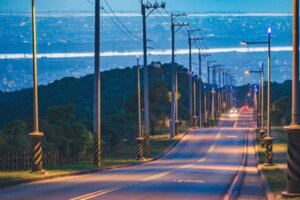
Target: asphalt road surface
(203,165)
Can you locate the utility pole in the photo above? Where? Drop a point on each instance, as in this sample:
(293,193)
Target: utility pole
(140,136)
(219,93)
(97,90)
(191,40)
(208,91)
(174,28)
(228,91)
(224,93)
(213,92)
(293,171)
(144,8)
(205,108)
(36,135)
(214,108)
(201,57)
(195,106)
(231,90)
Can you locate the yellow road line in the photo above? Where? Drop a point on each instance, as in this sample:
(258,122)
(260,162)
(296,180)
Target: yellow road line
(151,178)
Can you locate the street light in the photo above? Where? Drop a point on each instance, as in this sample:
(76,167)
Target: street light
(247,72)
(262,130)
(268,140)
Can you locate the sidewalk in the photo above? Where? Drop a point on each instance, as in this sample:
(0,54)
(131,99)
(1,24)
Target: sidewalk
(252,186)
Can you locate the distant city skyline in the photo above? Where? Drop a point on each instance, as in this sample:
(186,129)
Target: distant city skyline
(172,5)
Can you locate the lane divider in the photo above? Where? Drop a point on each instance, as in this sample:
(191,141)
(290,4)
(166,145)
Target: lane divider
(212,147)
(241,172)
(236,121)
(148,179)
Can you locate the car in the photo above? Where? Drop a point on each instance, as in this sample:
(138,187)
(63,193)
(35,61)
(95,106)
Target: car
(233,113)
(246,107)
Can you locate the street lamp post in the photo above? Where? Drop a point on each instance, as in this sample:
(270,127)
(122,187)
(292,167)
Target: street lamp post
(293,160)
(262,130)
(268,140)
(36,135)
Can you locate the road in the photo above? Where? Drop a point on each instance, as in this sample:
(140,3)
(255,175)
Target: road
(203,165)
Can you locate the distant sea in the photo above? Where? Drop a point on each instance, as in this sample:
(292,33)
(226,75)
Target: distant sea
(65,44)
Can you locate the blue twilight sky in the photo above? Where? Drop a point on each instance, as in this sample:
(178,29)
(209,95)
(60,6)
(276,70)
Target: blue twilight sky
(133,5)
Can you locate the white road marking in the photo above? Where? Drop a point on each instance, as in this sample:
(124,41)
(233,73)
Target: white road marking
(231,136)
(235,124)
(151,178)
(189,181)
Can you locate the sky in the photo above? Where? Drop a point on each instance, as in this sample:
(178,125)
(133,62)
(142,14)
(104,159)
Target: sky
(172,5)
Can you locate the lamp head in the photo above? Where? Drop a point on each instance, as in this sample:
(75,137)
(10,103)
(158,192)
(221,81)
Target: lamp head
(269,30)
(247,72)
(244,43)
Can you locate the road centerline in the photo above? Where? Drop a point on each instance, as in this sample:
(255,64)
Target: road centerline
(151,178)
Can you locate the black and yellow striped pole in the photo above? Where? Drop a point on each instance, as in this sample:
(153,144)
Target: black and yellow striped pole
(97,113)
(36,136)
(293,160)
(140,139)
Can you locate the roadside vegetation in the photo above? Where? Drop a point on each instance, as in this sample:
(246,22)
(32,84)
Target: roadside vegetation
(124,155)
(276,174)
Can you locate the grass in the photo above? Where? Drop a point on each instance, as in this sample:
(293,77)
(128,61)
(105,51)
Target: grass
(124,154)
(276,174)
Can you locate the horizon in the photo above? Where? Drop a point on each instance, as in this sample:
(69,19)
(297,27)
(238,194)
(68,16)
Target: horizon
(172,5)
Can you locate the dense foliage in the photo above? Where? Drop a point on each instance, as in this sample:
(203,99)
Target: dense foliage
(66,109)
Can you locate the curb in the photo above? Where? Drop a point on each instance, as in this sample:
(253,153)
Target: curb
(31,180)
(268,193)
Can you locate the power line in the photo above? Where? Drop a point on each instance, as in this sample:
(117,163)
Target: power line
(120,22)
(92,3)
(122,30)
